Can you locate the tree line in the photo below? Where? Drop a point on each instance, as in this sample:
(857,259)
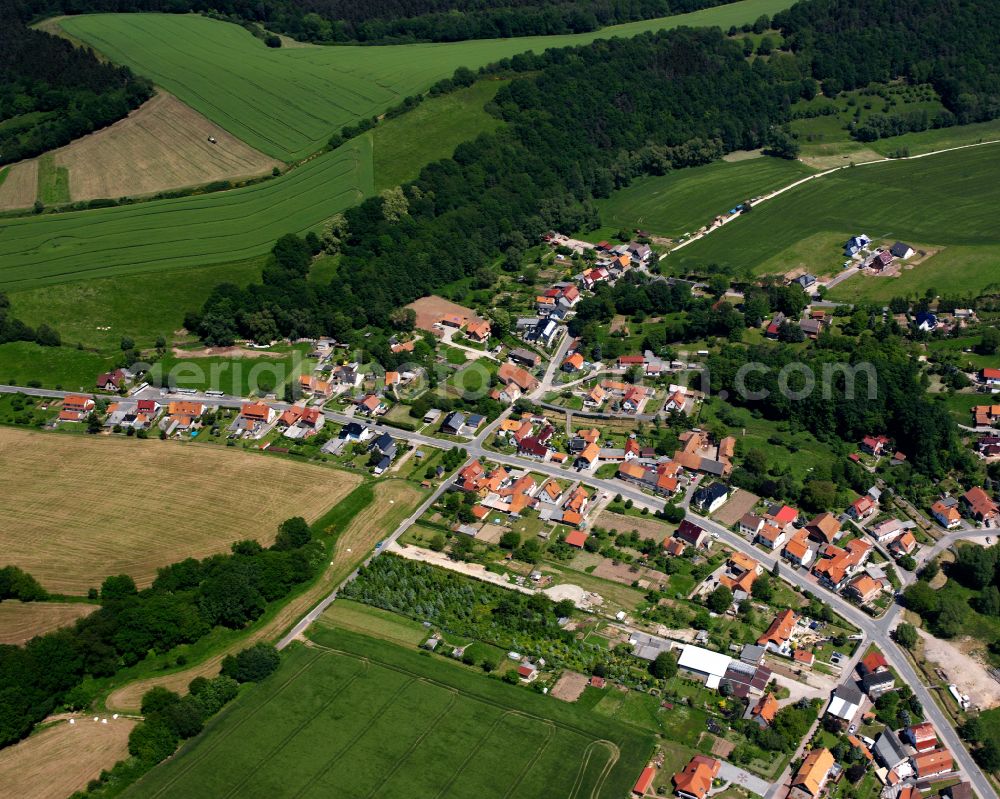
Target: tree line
(395,21)
(185,602)
(52,92)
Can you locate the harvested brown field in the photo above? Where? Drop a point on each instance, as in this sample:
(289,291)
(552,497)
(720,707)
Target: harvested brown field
(394,501)
(431,309)
(63,758)
(161,145)
(739,503)
(626,574)
(648,527)
(570,686)
(138,505)
(20,187)
(22,621)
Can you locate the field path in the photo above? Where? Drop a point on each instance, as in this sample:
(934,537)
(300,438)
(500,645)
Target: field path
(392,498)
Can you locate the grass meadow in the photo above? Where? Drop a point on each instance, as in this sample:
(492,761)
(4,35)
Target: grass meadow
(361,717)
(431,131)
(944,200)
(286,102)
(684,200)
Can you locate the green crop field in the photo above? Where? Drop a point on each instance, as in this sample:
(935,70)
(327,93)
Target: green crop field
(682,201)
(362,717)
(941,200)
(182,232)
(286,102)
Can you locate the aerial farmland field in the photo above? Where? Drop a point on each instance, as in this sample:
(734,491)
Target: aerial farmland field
(287,102)
(187,231)
(352,716)
(139,505)
(940,200)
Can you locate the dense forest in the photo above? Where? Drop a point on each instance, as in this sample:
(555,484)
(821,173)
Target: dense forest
(52,92)
(185,601)
(951,44)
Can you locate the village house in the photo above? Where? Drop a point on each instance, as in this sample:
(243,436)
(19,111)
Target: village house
(988,446)
(573,363)
(661,479)
(771,331)
(812,774)
(695,781)
(371,405)
(765,709)
(346,376)
(889,752)
(741,572)
(645,781)
(697,453)
(75,408)
(352,432)
(904,545)
(509,373)
(980,506)
(985,415)
(845,702)
(691,534)
(874,445)
(771,536)
(796,549)
(595,398)
(525,357)
(314,387)
(945,510)
(776,636)
(901,250)
(990,376)
(922,737)
(478,331)
(890,529)
(537,445)
(865,588)
(837,565)
(824,528)
(544,330)
(861,509)
(113,380)
(856,244)
(709,499)
(781,516)
(309,422)
(254,418)
(750,524)
(876,683)
(181,415)
(932,763)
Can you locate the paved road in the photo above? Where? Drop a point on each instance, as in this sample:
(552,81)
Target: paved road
(876,631)
(740,777)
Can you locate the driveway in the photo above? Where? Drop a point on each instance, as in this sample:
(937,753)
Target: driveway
(743,778)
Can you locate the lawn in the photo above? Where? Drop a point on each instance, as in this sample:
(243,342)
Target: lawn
(138,505)
(160,235)
(686,199)
(430,132)
(286,102)
(944,200)
(681,724)
(366,717)
(349,615)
